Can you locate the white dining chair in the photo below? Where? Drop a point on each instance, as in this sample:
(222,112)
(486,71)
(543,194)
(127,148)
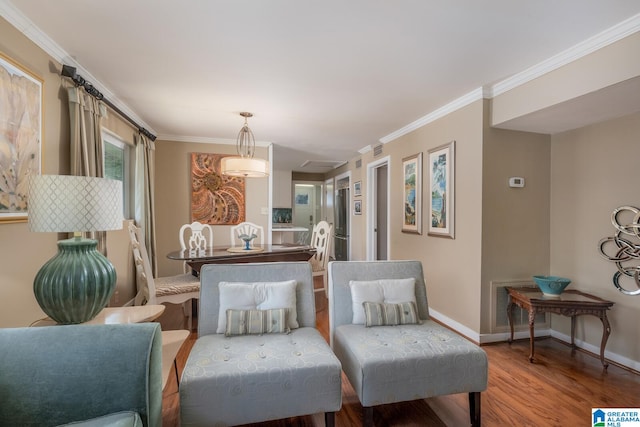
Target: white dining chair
(197,241)
(321,242)
(179,289)
(247,228)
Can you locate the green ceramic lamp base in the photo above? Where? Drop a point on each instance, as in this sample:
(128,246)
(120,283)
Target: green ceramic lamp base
(76,284)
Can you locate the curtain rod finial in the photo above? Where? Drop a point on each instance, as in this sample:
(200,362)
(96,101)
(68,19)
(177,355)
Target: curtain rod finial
(69,71)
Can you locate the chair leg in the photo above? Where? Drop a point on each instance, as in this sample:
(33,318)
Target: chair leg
(367,416)
(474,409)
(329,419)
(188,311)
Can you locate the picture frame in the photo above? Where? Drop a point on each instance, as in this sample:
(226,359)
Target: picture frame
(357,188)
(357,207)
(412,194)
(442,190)
(21,125)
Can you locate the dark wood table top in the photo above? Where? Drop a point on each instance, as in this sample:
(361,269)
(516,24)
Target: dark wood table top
(263,253)
(222,252)
(568,298)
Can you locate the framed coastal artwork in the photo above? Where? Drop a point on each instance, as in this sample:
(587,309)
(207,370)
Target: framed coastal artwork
(442,190)
(216,199)
(357,207)
(21,119)
(357,189)
(412,194)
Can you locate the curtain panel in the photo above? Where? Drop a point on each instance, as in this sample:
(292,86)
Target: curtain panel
(144,196)
(85,115)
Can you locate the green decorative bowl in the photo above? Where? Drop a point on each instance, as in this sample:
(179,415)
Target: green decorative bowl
(551,285)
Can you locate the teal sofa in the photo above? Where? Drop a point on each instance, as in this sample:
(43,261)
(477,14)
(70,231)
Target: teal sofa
(87,375)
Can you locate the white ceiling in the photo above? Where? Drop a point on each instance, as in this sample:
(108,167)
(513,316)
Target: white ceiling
(323,79)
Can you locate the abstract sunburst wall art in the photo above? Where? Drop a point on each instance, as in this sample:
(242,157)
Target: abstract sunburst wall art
(215,199)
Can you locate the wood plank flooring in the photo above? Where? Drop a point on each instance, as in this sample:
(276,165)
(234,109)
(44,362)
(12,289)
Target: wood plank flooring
(559,389)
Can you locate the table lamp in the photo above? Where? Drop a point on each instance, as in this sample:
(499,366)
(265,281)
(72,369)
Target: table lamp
(77,283)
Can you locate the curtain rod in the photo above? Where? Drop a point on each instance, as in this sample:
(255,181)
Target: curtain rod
(69,71)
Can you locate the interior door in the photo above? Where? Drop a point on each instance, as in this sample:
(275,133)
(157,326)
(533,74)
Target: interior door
(381,221)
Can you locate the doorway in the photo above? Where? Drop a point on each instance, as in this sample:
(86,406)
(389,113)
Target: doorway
(307,209)
(378,176)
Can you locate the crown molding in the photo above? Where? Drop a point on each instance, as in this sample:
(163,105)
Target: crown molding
(9,12)
(206,140)
(584,48)
(463,101)
(365,149)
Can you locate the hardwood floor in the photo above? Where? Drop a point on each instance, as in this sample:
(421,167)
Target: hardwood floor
(560,388)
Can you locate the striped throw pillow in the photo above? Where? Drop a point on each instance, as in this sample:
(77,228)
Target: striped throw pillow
(384,314)
(257,322)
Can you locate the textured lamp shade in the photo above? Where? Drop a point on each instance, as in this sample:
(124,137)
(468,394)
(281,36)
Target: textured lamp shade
(65,203)
(244,167)
(77,283)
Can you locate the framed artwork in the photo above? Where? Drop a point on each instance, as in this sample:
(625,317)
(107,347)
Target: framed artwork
(412,194)
(216,199)
(357,188)
(20,137)
(357,207)
(442,190)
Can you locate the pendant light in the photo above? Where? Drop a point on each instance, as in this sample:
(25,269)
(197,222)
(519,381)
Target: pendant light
(245,165)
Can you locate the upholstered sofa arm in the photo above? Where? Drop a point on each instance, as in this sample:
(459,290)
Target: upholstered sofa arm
(61,374)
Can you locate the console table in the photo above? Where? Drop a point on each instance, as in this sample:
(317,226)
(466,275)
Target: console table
(570,303)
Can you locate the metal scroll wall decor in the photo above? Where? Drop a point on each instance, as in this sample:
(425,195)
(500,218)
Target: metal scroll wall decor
(627,247)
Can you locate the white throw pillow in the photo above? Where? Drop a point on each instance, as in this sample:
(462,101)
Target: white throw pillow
(257,295)
(391,291)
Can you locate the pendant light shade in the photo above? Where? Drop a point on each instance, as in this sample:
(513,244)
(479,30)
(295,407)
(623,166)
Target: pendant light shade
(244,165)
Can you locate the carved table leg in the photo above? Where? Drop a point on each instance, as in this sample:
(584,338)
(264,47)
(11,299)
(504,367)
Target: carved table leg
(573,331)
(510,317)
(606,330)
(532,318)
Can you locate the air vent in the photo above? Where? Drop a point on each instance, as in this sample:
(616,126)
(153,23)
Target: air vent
(377,150)
(499,301)
(358,163)
(321,166)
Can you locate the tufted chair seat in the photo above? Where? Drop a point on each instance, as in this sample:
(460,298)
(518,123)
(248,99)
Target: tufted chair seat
(403,362)
(241,379)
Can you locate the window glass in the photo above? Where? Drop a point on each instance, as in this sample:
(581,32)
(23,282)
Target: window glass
(117,163)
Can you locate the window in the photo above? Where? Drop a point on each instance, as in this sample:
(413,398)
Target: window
(117,165)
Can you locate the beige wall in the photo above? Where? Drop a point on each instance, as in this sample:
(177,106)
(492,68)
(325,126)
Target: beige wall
(173,197)
(605,67)
(515,221)
(452,266)
(22,252)
(593,171)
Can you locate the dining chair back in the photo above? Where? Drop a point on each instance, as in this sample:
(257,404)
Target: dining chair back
(195,237)
(179,289)
(321,242)
(248,229)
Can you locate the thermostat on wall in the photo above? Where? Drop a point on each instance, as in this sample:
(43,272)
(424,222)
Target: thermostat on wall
(516,181)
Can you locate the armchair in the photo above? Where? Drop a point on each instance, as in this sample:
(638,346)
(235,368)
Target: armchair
(415,359)
(82,374)
(247,378)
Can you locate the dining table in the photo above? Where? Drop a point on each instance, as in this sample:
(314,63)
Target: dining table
(196,258)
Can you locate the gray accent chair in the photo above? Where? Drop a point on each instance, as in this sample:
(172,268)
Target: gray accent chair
(87,375)
(387,364)
(252,378)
